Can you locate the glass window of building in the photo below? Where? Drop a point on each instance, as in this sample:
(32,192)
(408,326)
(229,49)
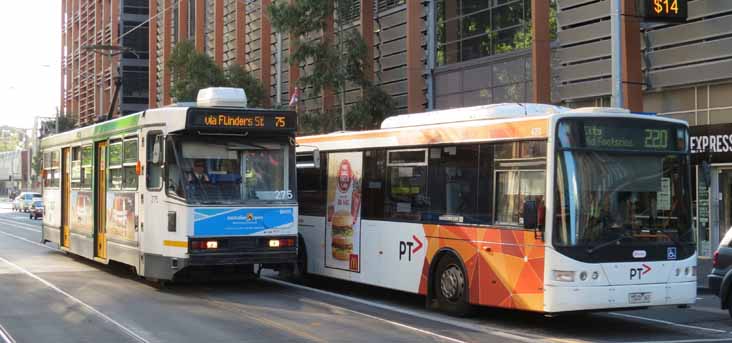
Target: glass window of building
(469,29)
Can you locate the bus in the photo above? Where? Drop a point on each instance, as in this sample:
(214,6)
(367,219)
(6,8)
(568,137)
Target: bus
(204,186)
(520,206)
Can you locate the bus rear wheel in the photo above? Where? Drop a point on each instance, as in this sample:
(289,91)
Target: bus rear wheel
(451,287)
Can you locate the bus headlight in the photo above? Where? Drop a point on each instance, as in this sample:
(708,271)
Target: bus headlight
(686,271)
(678,271)
(595,275)
(583,276)
(563,275)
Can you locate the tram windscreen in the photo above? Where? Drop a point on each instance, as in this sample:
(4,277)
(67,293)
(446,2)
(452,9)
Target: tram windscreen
(226,170)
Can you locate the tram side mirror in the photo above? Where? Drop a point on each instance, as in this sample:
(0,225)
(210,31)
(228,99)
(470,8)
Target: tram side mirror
(531,214)
(157,149)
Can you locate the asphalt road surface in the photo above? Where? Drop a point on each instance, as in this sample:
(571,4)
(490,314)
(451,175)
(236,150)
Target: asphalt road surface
(48,296)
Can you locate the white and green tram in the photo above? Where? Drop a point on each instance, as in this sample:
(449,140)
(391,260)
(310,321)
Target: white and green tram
(172,190)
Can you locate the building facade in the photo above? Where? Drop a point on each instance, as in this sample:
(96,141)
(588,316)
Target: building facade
(89,69)
(450,53)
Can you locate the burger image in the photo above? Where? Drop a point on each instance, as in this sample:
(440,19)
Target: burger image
(342,235)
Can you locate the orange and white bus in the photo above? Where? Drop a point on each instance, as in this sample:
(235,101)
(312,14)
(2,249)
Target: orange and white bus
(522,206)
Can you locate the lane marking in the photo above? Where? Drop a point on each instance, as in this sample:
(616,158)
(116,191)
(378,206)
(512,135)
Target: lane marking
(20,226)
(24,225)
(667,322)
(28,240)
(397,324)
(77,300)
(5,335)
(474,327)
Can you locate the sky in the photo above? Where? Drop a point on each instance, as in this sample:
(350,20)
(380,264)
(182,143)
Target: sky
(30,42)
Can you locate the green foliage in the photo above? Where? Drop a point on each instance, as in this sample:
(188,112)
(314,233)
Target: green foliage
(192,71)
(238,77)
(333,63)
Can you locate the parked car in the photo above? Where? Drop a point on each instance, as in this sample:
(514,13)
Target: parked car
(36,210)
(25,200)
(720,280)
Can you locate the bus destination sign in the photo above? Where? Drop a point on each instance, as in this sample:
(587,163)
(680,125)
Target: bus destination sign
(614,137)
(241,120)
(664,10)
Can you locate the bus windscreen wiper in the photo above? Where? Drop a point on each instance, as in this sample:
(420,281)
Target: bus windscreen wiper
(592,250)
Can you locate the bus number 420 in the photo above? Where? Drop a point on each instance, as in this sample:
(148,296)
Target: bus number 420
(409,248)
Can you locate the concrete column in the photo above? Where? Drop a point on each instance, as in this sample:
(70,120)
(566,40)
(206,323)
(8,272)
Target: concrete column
(631,69)
(167,42)
(219,32)
(540,52)
(265,68)
(241,35)
(415,82)
(200,25)
(152,83)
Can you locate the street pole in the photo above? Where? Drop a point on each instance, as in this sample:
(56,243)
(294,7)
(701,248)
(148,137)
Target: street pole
(616,52)
(278,70)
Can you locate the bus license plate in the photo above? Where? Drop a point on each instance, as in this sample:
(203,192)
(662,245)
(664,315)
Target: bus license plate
(639,298)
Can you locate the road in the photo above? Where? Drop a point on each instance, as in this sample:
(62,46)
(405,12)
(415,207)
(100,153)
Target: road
(48,296)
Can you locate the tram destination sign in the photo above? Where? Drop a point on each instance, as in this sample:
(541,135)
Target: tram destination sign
(664,10)
(231,119)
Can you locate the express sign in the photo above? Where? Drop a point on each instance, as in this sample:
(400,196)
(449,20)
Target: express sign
(664,10)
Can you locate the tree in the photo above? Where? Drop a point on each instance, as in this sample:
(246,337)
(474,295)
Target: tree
(238,77)
(332,63)
(191,71)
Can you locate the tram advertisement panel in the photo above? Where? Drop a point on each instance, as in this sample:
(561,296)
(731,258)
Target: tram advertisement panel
(121,216)
(343,228)
(81,216)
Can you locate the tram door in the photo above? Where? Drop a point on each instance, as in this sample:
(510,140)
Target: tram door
(100,227)
(65,196)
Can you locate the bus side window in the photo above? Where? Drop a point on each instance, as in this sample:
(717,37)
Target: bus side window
(520,177)
(374,162)
(453,180)
(407,197)
(311,196)
(154,160)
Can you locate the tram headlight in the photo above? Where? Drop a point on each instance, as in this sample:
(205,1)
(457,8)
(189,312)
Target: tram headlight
(563,275)
(583,276)
(595,275)
(212,244)
(274,243)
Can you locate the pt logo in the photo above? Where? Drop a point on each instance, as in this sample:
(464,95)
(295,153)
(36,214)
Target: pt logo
(405,247)
(637,273)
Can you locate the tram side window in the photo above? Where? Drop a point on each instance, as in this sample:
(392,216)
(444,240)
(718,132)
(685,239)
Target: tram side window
(51,168)
(453,184)
(374,162)
(520,177)
(406,183)
(115,165)
(129,164)
(76,167)
(154,165)
(86,166)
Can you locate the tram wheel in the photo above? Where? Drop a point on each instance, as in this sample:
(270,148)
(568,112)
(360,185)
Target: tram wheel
(451,287)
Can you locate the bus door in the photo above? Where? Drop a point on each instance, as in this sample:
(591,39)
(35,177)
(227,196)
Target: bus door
(65,196)
(100,208)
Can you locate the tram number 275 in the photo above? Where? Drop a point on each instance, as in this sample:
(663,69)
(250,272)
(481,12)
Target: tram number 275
(283,194)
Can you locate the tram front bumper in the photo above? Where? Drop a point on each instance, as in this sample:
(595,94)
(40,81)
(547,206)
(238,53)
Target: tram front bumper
(281,256)
(588,298)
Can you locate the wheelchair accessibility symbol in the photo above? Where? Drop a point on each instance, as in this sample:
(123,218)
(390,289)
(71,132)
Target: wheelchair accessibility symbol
(671,253)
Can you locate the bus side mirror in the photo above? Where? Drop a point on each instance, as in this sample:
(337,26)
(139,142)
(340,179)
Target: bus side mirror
(531,215)
(316,158)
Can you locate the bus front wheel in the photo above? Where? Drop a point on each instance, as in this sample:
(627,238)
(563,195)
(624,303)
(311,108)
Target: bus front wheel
(451,287)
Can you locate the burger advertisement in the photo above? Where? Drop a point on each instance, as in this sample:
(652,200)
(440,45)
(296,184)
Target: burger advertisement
(343,229)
